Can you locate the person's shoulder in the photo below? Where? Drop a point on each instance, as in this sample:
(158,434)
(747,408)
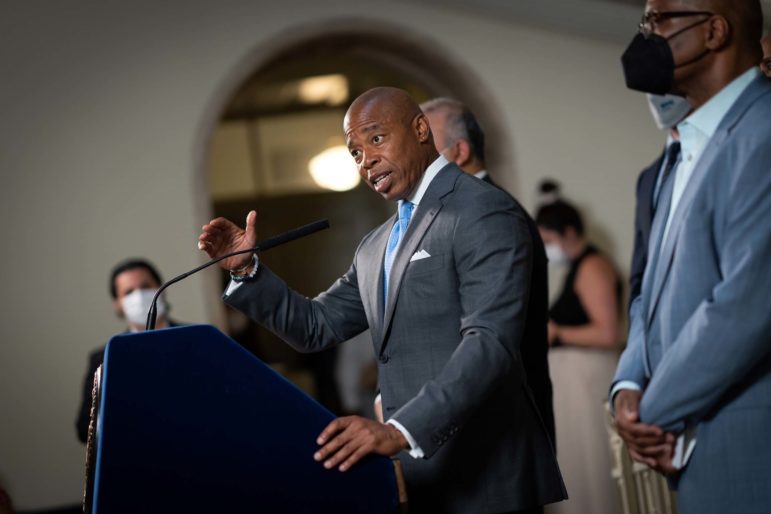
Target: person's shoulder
(478,201)
(483,193)
(594,266)
(96,357)
(764,86)
(748,139)
(756,118)
(98,351)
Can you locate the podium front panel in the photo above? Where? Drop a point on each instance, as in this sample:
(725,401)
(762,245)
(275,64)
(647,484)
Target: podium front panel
(191,422)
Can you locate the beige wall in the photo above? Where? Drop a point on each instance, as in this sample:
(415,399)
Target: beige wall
(105,110)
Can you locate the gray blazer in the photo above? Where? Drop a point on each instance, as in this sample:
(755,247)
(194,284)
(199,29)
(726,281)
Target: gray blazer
(448,344)
(700,337)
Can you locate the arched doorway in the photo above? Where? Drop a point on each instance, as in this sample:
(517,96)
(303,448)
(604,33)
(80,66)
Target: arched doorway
(282,108)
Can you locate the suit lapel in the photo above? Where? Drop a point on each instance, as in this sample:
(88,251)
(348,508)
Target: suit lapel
(426,212)
(371,278)
(645,202)
(700,172)
(667,248)
(415,232)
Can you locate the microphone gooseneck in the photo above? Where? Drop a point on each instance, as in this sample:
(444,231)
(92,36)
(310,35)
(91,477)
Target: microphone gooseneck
(261,246)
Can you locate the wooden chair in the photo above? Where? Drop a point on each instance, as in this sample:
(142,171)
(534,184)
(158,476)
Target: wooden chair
(642,490)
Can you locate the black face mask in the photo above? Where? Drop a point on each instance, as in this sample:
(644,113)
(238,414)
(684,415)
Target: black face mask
(649,65)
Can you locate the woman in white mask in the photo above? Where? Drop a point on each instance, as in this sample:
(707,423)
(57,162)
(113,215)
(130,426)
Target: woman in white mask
(133,284)
(583,332)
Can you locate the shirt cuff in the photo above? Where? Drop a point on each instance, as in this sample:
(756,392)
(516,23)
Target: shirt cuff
(684,446)
(622,384)
(685,442)
(416,451)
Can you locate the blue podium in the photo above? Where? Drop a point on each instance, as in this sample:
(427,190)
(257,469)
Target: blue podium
(188,421)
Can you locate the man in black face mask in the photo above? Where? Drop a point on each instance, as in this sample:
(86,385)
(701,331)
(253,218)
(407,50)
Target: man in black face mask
(692,392)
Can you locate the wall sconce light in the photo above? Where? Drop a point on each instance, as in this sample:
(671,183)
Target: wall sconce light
(334,169)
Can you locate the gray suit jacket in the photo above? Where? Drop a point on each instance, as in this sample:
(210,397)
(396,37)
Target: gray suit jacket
(535,346)
(448,342)
(700,338)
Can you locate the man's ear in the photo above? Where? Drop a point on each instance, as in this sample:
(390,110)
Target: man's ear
(719,33)
(464,155)
(422,128)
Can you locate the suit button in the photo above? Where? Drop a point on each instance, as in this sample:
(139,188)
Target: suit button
(384,358)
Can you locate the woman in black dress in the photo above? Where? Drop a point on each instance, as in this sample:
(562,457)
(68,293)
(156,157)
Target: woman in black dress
(584,335)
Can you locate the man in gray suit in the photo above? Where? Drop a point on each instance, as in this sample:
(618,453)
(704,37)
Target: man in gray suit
(692,391)
(443,286)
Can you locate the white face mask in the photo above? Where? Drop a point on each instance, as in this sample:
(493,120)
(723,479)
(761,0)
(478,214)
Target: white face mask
(136,305)
(668,110)
(555,254)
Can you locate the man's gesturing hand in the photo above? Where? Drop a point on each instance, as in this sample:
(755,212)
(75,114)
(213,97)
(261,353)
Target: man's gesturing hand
(346,440)
(221,236)
(648,444)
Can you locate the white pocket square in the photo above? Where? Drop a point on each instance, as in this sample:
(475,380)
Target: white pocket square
(422,254)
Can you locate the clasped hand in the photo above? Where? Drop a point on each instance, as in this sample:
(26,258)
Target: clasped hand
(648,444)
(345,441)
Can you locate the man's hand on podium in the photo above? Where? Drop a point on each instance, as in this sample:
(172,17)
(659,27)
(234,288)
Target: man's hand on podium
(221,236)
(347,440)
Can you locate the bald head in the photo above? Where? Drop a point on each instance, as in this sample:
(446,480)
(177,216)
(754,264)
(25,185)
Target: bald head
(745,16)
(395,103)
(390,140)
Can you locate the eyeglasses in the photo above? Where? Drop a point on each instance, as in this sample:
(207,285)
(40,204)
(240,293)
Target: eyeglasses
(651,19)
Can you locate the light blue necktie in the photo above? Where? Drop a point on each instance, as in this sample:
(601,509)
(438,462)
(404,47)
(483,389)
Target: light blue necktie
(397,233)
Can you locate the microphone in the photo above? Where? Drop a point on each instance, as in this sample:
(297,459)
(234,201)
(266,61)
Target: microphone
(266,244)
